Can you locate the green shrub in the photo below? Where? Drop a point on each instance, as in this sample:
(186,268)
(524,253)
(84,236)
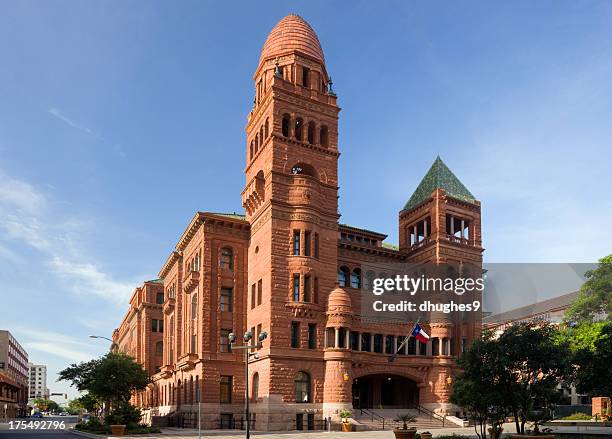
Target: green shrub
(125,414)
(578,416)
(453,436)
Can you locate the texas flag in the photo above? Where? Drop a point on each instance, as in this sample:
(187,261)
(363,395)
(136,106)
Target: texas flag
(420,334)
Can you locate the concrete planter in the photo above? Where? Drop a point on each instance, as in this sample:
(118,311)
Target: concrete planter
(117,430)
(400,433)
(426,435)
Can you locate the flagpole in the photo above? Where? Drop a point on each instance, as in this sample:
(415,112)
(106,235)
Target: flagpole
(392,357)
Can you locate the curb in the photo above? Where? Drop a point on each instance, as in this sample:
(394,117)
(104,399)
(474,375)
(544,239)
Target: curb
(85,434)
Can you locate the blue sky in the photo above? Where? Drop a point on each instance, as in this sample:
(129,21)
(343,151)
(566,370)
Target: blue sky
(119,120)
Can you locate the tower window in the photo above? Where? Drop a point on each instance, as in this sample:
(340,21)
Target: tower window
(296,243)
(227,258)
(226,303)
(343,275)
(324,136)
(259,291)
(307,288)
(299,128)
(295,335)
(307,235)
(252,150)
(311,131)
(303,169)
(296,287)
(285,126)
(305,77)
(266,129)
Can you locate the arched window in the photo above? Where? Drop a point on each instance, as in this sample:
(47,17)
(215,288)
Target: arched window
(252,150)
(256,142)
(356,278)
(194,307)
(159,348)
(311,132)
(266,129)
(303,169)
(227,258)
(255,387)
(302,387)
(285,127)
(324,136)
(299,128)
(343,276)
(261,135)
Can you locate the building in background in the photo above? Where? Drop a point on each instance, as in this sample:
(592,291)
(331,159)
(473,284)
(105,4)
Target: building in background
(37,374)
(551,311)
(290,268)
(13,377)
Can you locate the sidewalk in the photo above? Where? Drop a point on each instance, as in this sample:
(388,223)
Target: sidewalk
(186,433)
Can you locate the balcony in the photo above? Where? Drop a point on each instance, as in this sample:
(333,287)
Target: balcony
(187,361)
(304,309)
(457,239)
(166,371)
(191,281)
(169,305)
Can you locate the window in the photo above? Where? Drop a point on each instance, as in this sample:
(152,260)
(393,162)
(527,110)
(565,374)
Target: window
(285,125)
(299,128)
(194,307)
(354,340)
(312,336)
(194,343)
(378,343)
(159,298)
(296,287)
(305,77)
(307,235)
(252,296)
(316,245)
(295,335)
(422,348)
(389,345)
(365,342)
(464,345)
(266,128)
(224,341)
(323,136)
(307,288)
(226,389)
(255,387)
(299,421)
(356,278)
(435,346)
(227,300)
(302,387)
(159,348)
(227,258)
(311,131)
(296,243)
(343,275)
(259,291)
(157,325)
(412,346)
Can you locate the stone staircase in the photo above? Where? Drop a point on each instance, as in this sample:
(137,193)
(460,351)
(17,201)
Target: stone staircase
(372,419)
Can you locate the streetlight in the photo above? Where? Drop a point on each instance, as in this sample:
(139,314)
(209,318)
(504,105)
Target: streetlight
(247,337)
(113,344)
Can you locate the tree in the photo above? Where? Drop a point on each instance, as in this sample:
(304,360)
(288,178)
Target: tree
(537,363)
(595,297)
(45,405)
(594,374)
(481,388)
(110,379)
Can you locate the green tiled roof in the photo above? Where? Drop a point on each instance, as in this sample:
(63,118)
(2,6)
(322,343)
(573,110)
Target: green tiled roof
(390,246)
(439,177)
(234,215)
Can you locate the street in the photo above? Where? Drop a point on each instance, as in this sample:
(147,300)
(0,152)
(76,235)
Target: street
(30,432)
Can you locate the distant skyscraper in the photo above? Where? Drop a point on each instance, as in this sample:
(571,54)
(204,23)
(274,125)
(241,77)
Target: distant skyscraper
(38,381)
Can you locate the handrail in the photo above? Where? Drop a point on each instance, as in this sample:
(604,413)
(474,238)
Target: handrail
(432,414)
(373,415)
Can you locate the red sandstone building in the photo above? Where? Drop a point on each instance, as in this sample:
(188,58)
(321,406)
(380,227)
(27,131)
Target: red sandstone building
(289,268)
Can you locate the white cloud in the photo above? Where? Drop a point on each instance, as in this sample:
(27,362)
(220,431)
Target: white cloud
(26,218)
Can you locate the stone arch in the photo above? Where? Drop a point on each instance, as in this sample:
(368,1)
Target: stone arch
(387,369)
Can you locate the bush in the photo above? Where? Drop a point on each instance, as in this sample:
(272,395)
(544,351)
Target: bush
(93,426)
(453,436)
(125,414)
(578,416)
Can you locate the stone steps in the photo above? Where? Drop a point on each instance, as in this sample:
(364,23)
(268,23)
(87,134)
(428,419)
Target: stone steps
(422,423)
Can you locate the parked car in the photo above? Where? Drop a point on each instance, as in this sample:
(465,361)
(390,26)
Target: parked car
(37,415)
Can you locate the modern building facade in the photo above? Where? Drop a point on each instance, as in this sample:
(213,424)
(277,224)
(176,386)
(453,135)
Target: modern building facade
(37,375)
(13,377)
(290,268)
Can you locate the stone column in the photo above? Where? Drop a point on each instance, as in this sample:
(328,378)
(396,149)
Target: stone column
(371,342)
(347,341)
(337,337)
(359,341)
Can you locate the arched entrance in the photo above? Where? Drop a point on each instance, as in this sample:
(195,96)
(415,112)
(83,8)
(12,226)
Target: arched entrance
(384,391)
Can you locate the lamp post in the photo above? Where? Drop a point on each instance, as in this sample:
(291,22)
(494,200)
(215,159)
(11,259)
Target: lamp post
(113,344)
(247,337)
